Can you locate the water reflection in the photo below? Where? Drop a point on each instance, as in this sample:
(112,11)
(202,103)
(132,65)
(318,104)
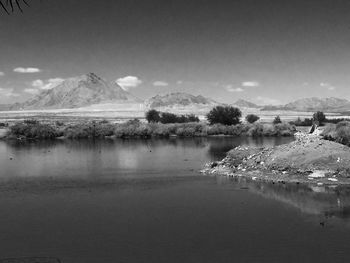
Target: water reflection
(327,202)
(115,158)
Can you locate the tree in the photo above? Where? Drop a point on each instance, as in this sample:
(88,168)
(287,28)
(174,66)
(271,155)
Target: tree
(251,118)
(319,117)
(152,116)
(10,5)
(277,120)
(167,117)
(225,115)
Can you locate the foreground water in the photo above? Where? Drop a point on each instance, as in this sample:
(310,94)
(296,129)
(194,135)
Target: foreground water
(144,201)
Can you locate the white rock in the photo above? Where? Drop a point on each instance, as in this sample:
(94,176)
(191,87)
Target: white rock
(317,174)
(333,179)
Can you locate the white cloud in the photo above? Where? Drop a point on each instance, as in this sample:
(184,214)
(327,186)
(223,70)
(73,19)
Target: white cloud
(250,84)
(179,82)
(8,93)
(129,82)
(47,84)
(26,70)
(327,86)
(38,83)
(160,83)
(2,74)
(31,91)
(230,88)
(267,101)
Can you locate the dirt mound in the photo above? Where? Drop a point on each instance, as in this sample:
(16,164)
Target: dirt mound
(308,158)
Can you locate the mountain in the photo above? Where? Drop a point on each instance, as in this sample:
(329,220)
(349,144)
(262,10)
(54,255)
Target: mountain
(314,104)
(78,92)
(245,104)
(179,99)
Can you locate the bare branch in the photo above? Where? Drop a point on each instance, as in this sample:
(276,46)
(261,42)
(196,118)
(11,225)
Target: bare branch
(9,5)
(3,7)
(19,6)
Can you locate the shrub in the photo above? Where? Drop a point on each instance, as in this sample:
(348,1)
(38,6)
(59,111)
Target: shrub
(299,122)
(284,129)
(152,116)
(277,120)
(59,123)
(224,115)
(88,130)
(251,118)
(319,117)
(167,117)
(339,132)
(32,129)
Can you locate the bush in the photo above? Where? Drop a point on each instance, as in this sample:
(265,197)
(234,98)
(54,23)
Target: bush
(319,117)
(277,120)
(299,122)
(224,115)
(152,116)
(339,132)
(251,118)
(166,117)
(88,130)
(32,129)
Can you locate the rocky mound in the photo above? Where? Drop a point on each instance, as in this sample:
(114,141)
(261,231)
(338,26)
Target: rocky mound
(308,159)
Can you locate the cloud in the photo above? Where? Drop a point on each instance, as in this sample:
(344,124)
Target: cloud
(267,101)
(47,84)
(160,83)
(26,70)
(31,91)
(230,88)
(250,84)
(38,83)
(179,82)
(327,86)
(2,74)
(129,82)
(8,93)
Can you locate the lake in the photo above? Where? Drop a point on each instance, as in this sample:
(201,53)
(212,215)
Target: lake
(145,201)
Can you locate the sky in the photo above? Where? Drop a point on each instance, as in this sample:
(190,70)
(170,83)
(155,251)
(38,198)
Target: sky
(268,52)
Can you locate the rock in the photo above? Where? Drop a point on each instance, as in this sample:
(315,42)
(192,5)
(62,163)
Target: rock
(317,174)
(333,179)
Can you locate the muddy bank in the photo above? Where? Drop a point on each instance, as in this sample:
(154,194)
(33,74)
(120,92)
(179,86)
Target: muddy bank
(309,159)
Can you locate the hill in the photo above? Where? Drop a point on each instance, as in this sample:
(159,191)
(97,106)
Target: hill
(78,92)
(179,99)
(245,104)
(313,104)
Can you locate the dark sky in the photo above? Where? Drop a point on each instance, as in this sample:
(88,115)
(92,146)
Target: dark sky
(266,51)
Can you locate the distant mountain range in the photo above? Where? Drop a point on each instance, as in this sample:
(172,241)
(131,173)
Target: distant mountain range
(313,104)
(78,92)
(91,90)
(245,104)
(179,99)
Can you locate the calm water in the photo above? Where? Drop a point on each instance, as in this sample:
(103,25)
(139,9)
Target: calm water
(144,201)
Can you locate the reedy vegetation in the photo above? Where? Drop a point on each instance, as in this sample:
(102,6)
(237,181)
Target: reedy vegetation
(137,129)
(339,132)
